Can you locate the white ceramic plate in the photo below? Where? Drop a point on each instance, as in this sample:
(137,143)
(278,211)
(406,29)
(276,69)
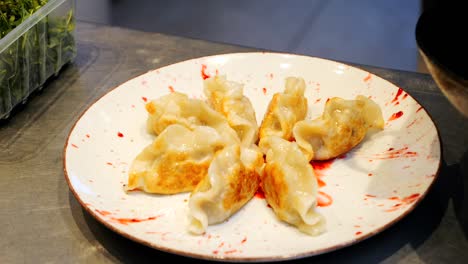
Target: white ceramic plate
(372,187)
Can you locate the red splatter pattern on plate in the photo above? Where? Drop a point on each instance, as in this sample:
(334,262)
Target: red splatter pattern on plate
(368,77)
(260,194)
(324,199)
(320,166)
(124,221)
(395,116)
(392,153)
(395,99)
(204,74)
(403,201)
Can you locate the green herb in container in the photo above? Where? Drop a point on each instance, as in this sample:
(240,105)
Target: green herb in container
(36,40)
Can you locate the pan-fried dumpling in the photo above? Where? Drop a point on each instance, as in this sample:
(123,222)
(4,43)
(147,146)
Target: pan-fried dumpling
(178,108)
(167,110)
(342,126)
(284,110)
(290,185)
(176,161)
(232,180)
(227,98)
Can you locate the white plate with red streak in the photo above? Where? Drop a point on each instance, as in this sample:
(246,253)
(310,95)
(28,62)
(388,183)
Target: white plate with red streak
(361,194)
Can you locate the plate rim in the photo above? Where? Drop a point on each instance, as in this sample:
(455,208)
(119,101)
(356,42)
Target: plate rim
(224,258)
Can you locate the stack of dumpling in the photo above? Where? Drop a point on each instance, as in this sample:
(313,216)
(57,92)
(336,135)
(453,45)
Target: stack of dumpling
(290,142)
(204,148)
(209,149)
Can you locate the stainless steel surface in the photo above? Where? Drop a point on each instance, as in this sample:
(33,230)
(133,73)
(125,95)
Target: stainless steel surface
(42,222)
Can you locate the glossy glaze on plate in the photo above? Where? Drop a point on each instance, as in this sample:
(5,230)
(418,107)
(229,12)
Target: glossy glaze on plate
(361,193)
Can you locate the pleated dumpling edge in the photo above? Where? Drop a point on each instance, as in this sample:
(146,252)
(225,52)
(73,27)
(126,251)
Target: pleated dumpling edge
(176,161)
(231,181)
(285,109)
(290,185)
(342,126)
(227,97)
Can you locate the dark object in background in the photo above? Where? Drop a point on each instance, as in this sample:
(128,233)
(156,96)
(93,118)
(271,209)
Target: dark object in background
(440,36)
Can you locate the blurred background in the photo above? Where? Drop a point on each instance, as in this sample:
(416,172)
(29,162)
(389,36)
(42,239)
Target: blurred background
(378,33)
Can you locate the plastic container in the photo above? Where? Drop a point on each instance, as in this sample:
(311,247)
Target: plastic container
(34,51)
